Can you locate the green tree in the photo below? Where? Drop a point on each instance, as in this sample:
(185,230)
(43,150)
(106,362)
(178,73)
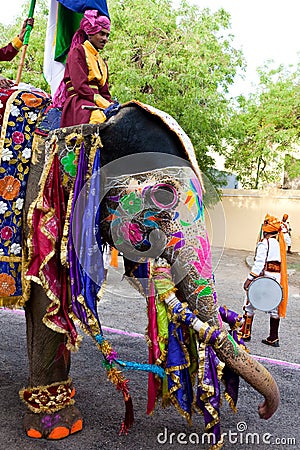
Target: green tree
(32,72)
(181,61)
(265,128)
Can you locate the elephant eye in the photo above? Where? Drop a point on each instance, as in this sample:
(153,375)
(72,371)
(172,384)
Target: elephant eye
(164,195)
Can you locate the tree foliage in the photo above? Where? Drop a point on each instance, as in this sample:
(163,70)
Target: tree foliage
(181,61)
(32,72)
(265,128)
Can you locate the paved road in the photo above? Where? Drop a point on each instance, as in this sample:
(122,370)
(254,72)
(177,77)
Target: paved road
(122,310)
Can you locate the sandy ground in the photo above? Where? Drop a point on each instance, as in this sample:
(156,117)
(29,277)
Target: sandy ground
(123,316)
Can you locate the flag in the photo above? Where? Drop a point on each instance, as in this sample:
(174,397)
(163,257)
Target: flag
(67,23)
(53,71)
(63,20)
(81,5)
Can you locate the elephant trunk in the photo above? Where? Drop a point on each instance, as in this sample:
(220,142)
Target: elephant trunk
(252,372)
(227,351)
(233,356)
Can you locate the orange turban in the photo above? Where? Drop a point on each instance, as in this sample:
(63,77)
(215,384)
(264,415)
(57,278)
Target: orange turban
(285,216)
(271,224)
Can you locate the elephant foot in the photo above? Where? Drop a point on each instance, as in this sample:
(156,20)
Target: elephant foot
(53,426)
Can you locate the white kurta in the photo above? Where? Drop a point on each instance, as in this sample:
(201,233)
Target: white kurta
(267,250)
(285,226)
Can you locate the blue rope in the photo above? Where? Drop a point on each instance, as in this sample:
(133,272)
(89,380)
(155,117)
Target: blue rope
(130,365)
(99,338)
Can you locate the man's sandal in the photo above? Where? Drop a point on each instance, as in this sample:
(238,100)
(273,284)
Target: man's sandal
(274,343)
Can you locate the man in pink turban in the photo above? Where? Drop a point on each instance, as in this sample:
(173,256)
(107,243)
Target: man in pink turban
(85,81)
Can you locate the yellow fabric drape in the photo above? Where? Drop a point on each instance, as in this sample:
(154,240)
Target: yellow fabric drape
(97,117)
(114,257)
(98,74)
(270,225)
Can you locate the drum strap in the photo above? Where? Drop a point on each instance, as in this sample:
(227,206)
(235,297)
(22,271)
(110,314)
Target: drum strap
(266,263)
(271,266)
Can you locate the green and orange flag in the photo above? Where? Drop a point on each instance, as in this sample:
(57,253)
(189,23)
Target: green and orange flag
(64,19)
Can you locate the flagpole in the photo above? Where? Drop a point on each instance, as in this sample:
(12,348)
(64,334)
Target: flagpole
(26,41)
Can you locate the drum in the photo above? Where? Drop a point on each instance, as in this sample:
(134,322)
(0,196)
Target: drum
(264,293)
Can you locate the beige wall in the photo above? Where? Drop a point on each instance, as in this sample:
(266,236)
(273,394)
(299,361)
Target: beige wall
(235,222)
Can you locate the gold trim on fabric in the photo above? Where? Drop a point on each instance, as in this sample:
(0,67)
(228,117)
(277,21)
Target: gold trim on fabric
(96,144)
(5,120)
(38,143)
(102,291)
(12,302)
(230,401)
(64,241)
(166,294)
(218,445)
(11,258)
(65,235)
(92,322)
(209,389)
(47,401)
(181,411)
(40,279)
(134,282)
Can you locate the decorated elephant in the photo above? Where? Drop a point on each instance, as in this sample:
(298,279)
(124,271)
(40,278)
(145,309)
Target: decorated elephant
(132,182)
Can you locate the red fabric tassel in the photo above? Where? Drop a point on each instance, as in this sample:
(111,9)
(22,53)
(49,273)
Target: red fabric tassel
(154,351)
(129,415)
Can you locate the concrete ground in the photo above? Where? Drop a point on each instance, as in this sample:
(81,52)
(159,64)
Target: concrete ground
(123,316)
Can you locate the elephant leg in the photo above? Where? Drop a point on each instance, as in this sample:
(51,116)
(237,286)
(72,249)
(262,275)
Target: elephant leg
(49,359)
(49,395)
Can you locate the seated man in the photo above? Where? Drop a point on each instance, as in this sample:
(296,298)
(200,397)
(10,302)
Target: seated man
(85,82)
(8,52)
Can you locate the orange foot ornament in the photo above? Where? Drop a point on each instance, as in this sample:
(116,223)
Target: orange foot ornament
(53,426)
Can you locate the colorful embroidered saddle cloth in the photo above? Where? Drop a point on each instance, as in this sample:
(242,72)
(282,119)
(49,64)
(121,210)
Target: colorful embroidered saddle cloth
(20,110)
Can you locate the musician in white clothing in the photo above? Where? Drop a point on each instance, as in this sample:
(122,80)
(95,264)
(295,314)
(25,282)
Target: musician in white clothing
(270,260)
(286,229)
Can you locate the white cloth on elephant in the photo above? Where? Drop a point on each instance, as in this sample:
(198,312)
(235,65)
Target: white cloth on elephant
(106,256)
(267,250)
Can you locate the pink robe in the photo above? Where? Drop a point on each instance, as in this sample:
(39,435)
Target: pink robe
(8,52)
